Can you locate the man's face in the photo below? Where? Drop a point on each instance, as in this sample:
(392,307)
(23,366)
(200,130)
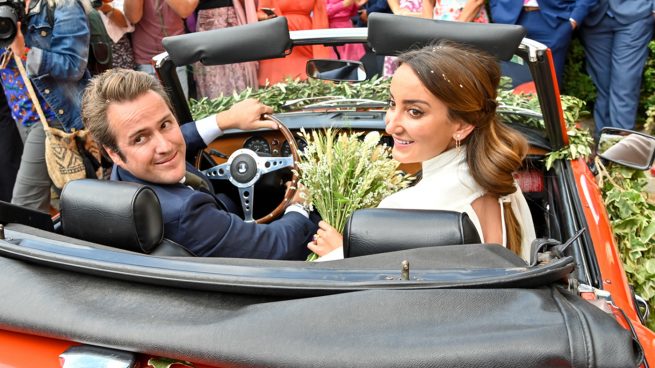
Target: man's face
(149,138)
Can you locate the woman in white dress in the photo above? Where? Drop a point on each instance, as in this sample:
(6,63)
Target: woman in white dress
(442,114)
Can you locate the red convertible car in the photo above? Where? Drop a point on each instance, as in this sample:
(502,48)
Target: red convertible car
(100,287)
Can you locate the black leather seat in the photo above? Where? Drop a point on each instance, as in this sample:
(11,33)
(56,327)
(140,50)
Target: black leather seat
(117,214)
(380,230)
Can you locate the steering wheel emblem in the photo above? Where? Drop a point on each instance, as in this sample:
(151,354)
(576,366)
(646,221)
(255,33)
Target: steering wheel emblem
(243,167)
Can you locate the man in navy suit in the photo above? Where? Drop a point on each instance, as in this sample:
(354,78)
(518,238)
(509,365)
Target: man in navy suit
(550,22)
(129,114)
(615,36)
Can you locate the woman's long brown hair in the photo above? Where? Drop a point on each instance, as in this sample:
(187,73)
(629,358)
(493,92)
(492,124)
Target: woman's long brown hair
(466,81)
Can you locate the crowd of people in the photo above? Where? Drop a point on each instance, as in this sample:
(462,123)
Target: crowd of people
(54,53)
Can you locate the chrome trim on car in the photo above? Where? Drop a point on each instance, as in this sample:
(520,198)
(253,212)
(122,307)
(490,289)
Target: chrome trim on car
(532,47)
(85,356)
(642,304)
(159,59)
(348,102)
(336,36)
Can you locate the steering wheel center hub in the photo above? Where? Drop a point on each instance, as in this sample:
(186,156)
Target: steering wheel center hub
(243,168)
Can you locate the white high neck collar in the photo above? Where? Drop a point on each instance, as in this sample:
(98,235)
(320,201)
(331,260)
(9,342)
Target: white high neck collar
(452,156)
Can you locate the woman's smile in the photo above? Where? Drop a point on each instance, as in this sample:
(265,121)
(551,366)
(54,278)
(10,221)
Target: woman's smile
(401,142)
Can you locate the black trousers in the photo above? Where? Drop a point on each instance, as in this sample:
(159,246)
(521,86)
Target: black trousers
(11,148)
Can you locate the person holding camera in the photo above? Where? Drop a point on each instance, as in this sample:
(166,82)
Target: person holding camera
(54,51)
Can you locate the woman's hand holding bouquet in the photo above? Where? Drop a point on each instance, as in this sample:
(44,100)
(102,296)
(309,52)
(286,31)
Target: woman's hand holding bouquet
(344,173)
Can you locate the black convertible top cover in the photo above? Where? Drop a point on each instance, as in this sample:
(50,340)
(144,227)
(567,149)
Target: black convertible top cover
(392,34)
(542,327)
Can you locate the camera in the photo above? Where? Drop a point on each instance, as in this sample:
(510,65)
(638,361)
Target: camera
(11,12)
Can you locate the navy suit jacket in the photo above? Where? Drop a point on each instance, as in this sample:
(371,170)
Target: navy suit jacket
(624,11)
(199,222)
(553,11)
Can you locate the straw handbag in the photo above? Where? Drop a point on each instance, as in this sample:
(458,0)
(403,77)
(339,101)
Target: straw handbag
(69,156)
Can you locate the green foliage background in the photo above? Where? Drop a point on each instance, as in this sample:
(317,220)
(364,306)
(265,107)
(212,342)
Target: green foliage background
(633,223)
(305,92)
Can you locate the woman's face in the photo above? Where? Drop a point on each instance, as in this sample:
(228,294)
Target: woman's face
(417,120)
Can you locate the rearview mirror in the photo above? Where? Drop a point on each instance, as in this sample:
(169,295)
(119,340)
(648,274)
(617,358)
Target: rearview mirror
(626,147)
(336,70)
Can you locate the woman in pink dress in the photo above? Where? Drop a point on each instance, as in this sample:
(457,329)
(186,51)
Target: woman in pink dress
(339,14)
(412,8)
(300,14)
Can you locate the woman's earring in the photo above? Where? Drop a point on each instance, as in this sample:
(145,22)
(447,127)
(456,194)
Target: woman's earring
(457,142)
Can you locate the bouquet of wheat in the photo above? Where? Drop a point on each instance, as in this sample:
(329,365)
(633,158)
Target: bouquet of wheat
(343,173)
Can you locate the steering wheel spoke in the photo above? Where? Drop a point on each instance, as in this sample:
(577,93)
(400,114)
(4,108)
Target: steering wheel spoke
(246,195)
(218,172)
(270,164)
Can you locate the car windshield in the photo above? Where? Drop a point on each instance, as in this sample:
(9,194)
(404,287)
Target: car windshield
(519,102)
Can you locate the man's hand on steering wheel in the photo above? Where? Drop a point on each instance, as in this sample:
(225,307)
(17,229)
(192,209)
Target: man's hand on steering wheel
(300,195)
(245,115)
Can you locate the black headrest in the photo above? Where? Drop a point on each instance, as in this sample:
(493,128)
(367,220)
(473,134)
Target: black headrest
(255,41)
(393,34)
(380,230)
(118,214)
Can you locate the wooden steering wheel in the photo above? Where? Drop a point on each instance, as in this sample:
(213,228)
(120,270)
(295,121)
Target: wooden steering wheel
(245,167)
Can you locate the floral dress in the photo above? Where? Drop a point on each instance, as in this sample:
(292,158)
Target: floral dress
(451,9)
(216,80)
(390,61)
(20,103)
